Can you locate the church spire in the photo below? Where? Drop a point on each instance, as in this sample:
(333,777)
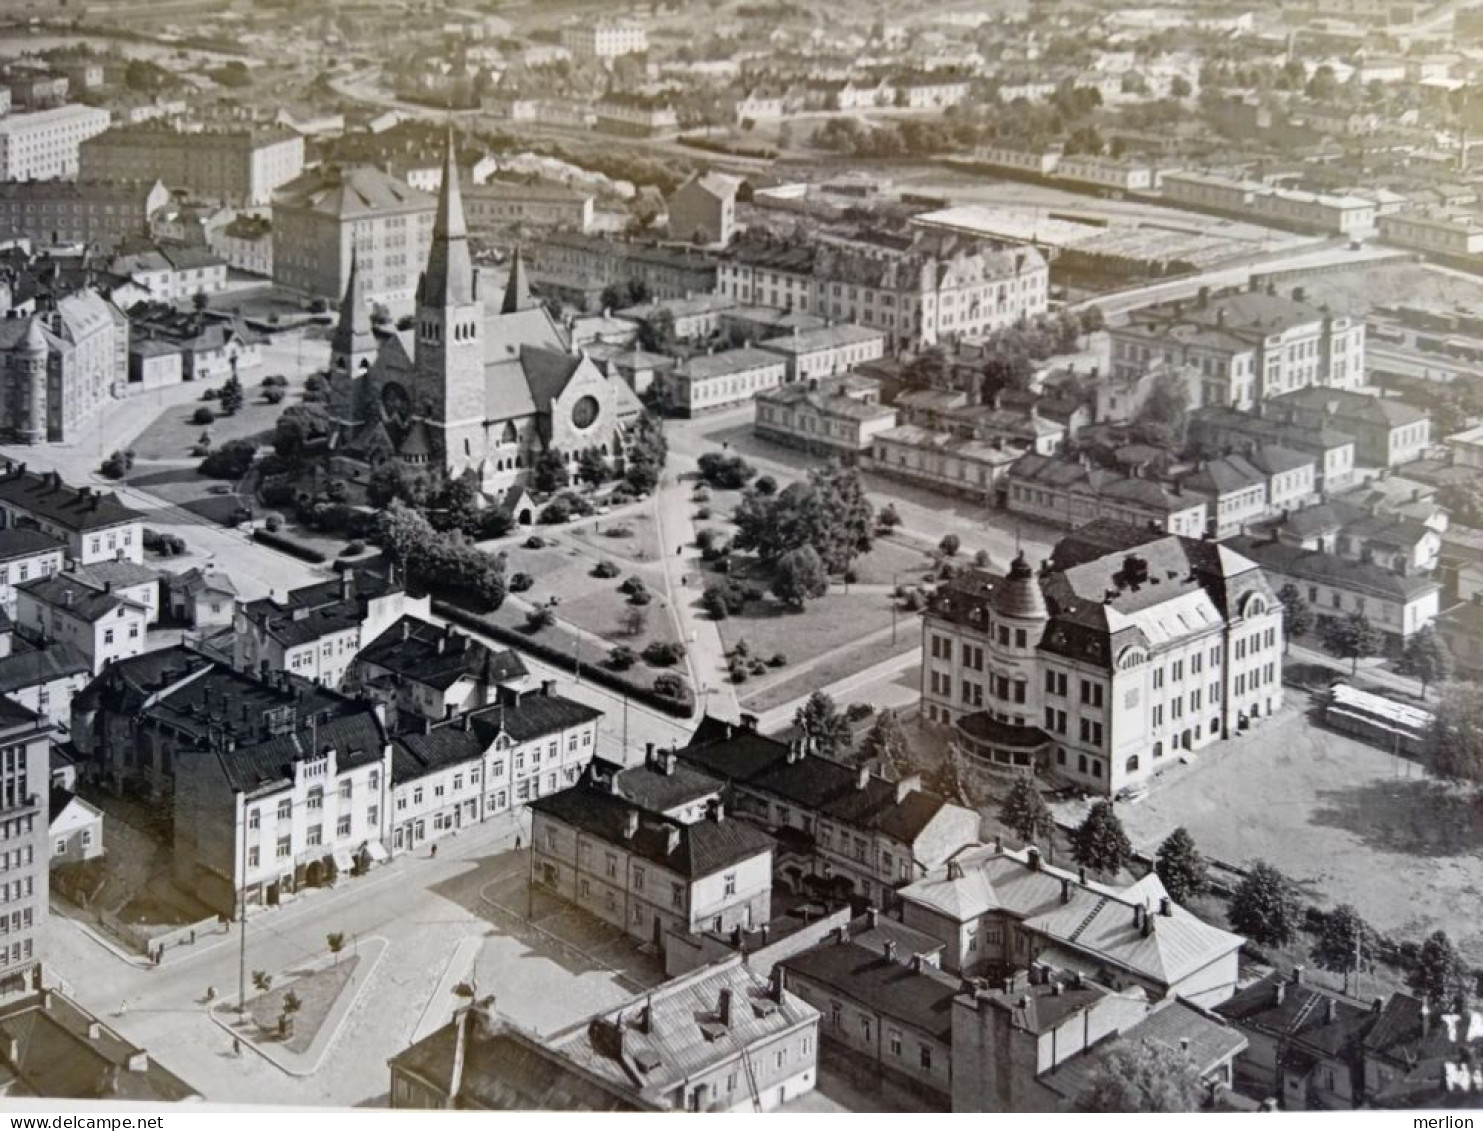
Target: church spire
(517,289)
(353,333)
(449,280)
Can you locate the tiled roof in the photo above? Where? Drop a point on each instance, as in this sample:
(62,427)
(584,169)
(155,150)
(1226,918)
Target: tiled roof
(1344,405)
(357,740)
(439,657)
(74,509)
(36,666)
(77,597)
(1329,569)
(920,997)
(23,542)
(359,191)
(1321,1021)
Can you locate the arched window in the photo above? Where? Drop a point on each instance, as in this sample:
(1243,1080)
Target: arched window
(1132,764)
(1158,749)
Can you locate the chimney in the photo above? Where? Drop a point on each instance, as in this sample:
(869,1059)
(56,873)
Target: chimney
(671,839)
(723,1007)
(890,950)
(1166,907)
(748,722)
(716,811)
(1281,994)
(863,778)
(347,585)
(67,598)
(139,1061)
(667,763)
(1138,916)
(872,918)
(548,688)
(1426,1020)
(954,870)
(1297,975)
(630,824)
(778,984)
(1032,857)
(95,1030)
(1331,1010)
(1065,889)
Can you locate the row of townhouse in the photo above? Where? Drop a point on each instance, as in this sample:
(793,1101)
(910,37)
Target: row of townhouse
(1291,208)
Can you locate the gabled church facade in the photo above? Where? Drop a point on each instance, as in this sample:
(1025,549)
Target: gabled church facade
(480,385)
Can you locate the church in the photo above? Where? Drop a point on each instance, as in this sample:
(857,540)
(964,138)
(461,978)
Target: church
(481,384)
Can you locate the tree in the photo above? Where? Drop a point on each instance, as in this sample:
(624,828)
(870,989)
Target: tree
(1163,418)
(203,415)
(1145,1077)
(1352,638)
(657,332)
(646,454)
(117,465)
(950,544)
(335,940)
(1265,906)
(1440,977)
(928,370)
(262,981)
(888,519)
(200,301)
(591,468)
(828,511)
(1179,87)
(1342,942)
(886,746)
(230,461)
(1180,867)
(1099,842)
(819,723)
(1454,746)
(1092,319)
(726,472)
(799,577)
(1426,658)
(1297,617)
(550,473)
(1024,810)
(953,780)
(232,397)
(291,1005)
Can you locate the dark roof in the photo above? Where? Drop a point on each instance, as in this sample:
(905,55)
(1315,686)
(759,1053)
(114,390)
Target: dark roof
(357,740)
(1322,1022)
(439,657)
(416,754)
(1330,569)
(23,542)
(530,715)
(656,789)
(920,997)
(692,851)
(76,509)
(40,665)
(81,600)
(318,610)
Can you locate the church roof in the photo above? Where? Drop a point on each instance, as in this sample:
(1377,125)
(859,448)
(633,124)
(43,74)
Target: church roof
(517,289)
(449,279)
(548,371)
(506,394)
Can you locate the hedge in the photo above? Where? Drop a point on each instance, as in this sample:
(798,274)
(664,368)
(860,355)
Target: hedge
(289,546)
(595,672)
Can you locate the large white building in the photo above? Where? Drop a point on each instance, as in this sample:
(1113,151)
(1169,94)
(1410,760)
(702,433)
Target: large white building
(43,146)
(605,39)
(942,287)
(1246,347)
(1130,646)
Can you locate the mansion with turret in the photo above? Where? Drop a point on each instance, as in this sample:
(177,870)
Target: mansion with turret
(482,383)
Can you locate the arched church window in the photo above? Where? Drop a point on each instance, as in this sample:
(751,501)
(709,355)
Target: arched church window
(509,436)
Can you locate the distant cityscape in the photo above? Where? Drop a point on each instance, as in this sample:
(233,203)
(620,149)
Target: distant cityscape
(748,556)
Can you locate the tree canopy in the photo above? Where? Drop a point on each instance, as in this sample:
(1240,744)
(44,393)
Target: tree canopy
(799,577)
(1352,638)
(885,746)
(820,723)
(1454,750)
(1024,810)
(1440,977)
(1099,842)
(1265,906)
(1180,866)
(828,511)
(1426,658)
(1144,1077)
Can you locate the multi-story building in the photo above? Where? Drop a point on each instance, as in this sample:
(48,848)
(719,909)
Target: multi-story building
(102,625)
(703,209)
(93,524)
(840,417)
(717,1039)
(939,287)
(1069,493)
(1289,208)
(1108,172)
(847,829)
(634,115)
(941,461)
(605,39)
(1386,432)
(1398,604)
(24,770)
(1438,234)
(827,351)
(44,680)
(1218,429)
(645,872)
(588,263)
(711,381)
(326,218)
(96,213)
(510,204)
(320,629)
(172,274)
(693,317)
(60,366)
(246,243)
(433,671)
(43,145)
(26,554)
(298,808)
(241,167)
(1247,346)
(1131,645)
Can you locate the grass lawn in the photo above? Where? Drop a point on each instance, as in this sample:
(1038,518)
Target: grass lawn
(317,991)
(600,612)
(172,435)
(1348,822)
(641,546)
(828,623)
(831,670)
(889,557)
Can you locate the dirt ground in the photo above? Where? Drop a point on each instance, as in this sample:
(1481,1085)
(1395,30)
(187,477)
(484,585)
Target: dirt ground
(1348,822)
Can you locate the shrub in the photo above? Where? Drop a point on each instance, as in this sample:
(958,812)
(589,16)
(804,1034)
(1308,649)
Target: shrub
(535,542)
(664,654)
(230,461)
(981,559)
(211,395)
(288,546)
(766,485)
(605,569)
(619,530)
(640,597)
(758,666)
(950,544)
(702,513)
(705,538)
(713,600)
(538,618)
(851,576)
(701,495)
(355,547)
(273,396)
(777,660)
(275,381)
(117,465)
(855,712)
(621,658)
(273,523)
(632,585)
(520,582)
(913,602)
(557,511)
(203,415)
(669,686)
(736,670)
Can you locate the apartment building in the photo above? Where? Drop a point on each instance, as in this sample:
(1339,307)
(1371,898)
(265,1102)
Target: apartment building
(26,554)
(634,115)
(1129,646)
(1220,429)
(941,461)
(604,39)
(847,830)
(693,317)
(97,213)
(1387,432)
(715,1040)
(246,243)
(59,367)
(101,625)
(584,264)
(93,524)
(708,382)
(238,167)
(44,680)
(827,351)
(173,274)
(1247,346)
(940,287)
(24,774)
(1398,604)
(511,204)
(1070,493)
(644,872)
(318,631)
(1460,235)
(43,145)
(703,209)
(431,671)
(525,744)
(840,417)
(1319,213)
(329,216)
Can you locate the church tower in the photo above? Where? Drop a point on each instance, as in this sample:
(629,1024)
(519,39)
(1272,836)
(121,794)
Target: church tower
(353,350)
(448,357)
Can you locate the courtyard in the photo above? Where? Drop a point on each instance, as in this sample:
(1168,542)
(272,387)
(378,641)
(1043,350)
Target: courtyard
(1348,822)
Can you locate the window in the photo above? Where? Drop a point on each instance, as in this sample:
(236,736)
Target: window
(315,836)
(285,809)
(895,1042)
(342,827)
(316,798)
(285,848)
(254,818)
(729,880)
(638,879)
(253,857)
(677,896)
(926,1058)
(1091,693)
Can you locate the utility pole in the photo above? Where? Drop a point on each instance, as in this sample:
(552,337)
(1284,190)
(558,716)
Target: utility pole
(895,603)
(242,919)
(625,726)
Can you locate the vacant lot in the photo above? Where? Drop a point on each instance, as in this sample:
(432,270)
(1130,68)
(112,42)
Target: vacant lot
(1340,817)
(1412,284)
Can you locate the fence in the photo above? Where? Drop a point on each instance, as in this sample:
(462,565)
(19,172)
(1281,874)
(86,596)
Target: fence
(154,945)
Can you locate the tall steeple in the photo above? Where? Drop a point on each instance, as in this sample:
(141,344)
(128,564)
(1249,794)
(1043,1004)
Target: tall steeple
(449,279)
(353,333)
(517,289)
